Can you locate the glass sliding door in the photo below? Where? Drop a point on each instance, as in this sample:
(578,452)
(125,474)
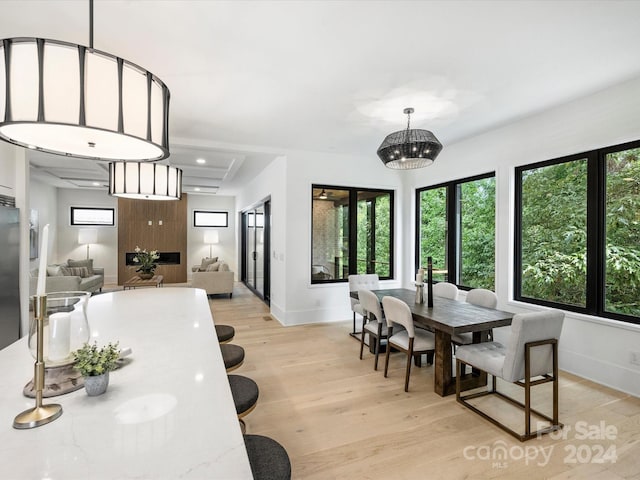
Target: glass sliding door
(259,250)
(255,249)
(251,248)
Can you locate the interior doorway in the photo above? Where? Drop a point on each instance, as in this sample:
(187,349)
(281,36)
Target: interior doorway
(256,241)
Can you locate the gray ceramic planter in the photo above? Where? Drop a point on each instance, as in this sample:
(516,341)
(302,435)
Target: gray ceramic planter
(96,385)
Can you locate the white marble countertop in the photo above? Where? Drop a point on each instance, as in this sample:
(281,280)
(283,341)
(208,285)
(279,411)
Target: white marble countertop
(168,414)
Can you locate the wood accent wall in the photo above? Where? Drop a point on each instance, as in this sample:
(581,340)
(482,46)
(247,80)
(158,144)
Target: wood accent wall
(134,230)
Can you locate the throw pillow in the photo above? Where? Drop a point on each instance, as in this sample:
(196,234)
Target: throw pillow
(54,270)
(213,267)
(82,272)
(82,263)
(224,267)
(206,262)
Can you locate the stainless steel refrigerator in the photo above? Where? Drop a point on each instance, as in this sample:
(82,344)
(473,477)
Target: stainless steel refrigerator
(9,275)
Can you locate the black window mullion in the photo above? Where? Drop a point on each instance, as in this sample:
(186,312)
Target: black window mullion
(595,235)
(517,238)
(353,231)
(452,233)
(418,239)
(392,225)
(371,265)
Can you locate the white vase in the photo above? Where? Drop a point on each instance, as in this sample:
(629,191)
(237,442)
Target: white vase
(96,384)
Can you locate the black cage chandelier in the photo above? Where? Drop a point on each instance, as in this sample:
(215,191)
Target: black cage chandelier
(409,148)
(72,100)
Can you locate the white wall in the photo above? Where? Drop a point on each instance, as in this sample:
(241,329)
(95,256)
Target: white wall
(272,182)
(44,198)
(7,169)
(288,180)
(226,249)
(105,252)
(594,348)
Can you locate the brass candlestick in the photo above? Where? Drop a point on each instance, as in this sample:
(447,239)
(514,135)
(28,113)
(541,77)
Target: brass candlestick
(40,414)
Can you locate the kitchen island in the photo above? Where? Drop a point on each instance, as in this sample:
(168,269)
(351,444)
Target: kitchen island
(168,412)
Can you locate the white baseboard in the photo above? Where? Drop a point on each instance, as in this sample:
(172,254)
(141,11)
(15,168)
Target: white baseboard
(605,373)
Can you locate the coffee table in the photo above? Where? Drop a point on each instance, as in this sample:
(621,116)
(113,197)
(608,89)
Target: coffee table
(135,282)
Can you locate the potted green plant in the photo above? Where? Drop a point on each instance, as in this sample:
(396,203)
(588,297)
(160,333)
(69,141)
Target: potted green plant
(147,261)
(94,364)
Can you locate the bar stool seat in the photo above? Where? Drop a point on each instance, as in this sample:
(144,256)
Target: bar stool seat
(268,459)
(245,395)
(225,333)
(232,355)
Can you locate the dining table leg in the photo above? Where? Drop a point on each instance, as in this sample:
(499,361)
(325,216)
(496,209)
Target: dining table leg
(442,378)
(444,382)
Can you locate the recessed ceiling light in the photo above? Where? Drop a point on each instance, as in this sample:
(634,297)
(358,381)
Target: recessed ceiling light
(96,184)
(201,161)
(197,189)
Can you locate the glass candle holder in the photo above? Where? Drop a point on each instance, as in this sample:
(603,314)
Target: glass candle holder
(66,327)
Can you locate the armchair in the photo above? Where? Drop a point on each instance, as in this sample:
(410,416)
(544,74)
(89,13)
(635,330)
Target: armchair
(218,281)
(530,358)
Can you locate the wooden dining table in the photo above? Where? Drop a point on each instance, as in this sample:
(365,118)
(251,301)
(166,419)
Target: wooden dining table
(447,318)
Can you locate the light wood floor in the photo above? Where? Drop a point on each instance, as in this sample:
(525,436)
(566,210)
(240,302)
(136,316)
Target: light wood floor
(339,419)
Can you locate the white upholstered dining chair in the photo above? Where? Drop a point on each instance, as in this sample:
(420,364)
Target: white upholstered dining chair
(529,358)
(445,290)
(374,323)
(483,298)
(369,281)
(410,340)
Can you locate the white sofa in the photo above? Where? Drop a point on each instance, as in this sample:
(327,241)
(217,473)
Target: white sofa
(56,281)
(218,281)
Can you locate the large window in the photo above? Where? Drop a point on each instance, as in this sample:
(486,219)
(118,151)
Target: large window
(577,231)
(554,232)
(352,233)
(455,225)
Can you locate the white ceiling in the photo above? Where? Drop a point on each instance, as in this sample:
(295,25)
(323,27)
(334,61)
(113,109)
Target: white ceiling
(249,80)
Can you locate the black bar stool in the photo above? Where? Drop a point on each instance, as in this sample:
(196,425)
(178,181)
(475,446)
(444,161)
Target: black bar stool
(268,459)
(225,333)
(245,396)
(232,355)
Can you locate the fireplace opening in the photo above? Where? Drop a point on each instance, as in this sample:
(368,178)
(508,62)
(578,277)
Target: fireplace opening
(166,258)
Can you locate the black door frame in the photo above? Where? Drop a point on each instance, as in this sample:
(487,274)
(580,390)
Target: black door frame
(266,206)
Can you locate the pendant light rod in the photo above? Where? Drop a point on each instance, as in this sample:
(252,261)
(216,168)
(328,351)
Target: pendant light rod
(91,24)
(407,111)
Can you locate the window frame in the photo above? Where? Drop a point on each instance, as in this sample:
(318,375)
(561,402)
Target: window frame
(74,223)
(353,226)
(595,243)
(454,237)
(211,225)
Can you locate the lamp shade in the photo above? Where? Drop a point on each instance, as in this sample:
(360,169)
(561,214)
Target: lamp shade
(211,237)
(72,100)
(87,236)
(410,148)
(146,181)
